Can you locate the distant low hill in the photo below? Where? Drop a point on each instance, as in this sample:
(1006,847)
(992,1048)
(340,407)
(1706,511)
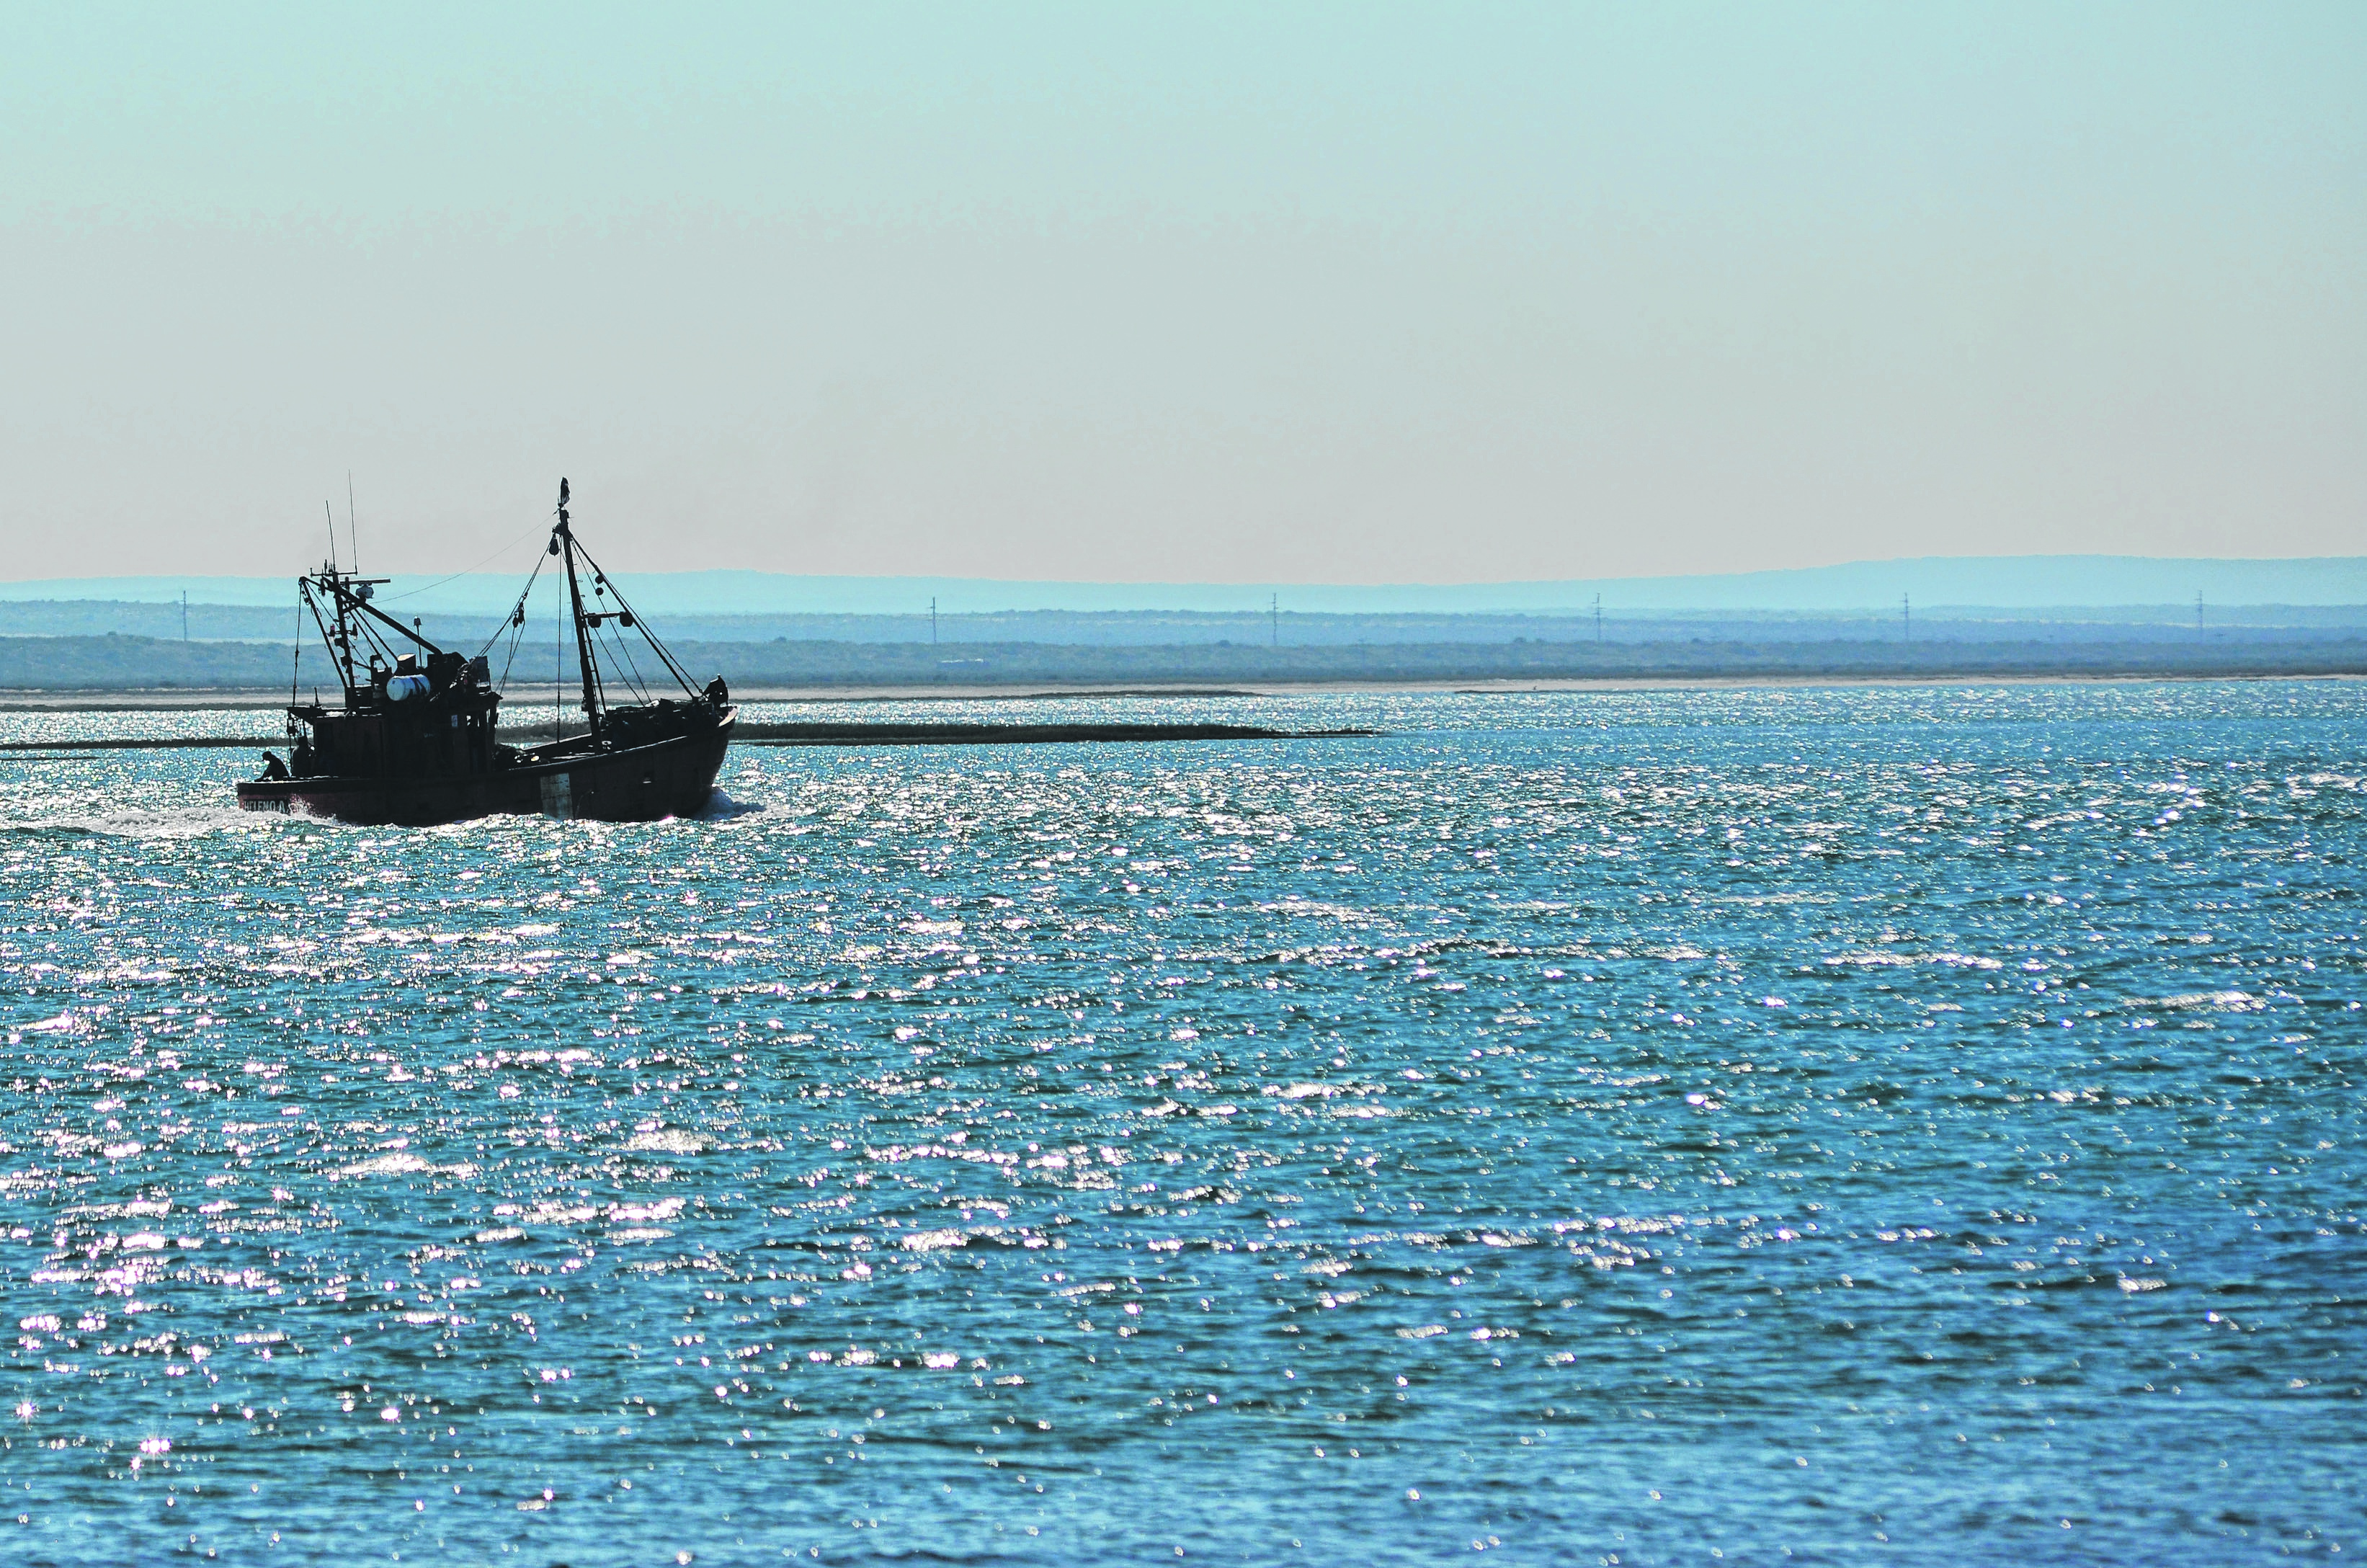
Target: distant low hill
(245,623)
(2001,583)
(129,663)
(109,664)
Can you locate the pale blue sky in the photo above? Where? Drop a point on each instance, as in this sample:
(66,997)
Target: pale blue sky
(1202,294)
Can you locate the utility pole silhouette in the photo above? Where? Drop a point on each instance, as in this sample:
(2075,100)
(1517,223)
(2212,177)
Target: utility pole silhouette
(1906,620)
(1274,613)
(185,615)
(933,620)
(2198,612)
(1598,617)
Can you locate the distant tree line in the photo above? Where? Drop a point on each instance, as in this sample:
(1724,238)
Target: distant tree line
(130,663)
(247,623)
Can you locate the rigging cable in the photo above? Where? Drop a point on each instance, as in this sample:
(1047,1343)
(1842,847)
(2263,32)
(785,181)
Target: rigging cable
(633,670)
(680,675)
(514,624)
(412,593)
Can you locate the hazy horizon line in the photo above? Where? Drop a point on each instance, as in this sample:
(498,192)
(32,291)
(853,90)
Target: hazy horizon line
(1264,585)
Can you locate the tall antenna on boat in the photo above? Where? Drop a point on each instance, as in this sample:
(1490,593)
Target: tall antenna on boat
(330,518)
(352,529)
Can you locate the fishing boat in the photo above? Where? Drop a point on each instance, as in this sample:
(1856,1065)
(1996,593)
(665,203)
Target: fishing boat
(417,739)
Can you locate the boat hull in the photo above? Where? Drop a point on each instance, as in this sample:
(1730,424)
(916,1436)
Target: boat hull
(673,777)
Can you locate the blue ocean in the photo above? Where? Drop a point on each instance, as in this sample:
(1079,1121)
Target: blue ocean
(1864,1125)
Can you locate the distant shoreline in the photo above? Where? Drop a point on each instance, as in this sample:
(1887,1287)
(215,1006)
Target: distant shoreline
(251,700)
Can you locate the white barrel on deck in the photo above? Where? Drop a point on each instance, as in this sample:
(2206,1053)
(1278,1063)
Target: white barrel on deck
(401,688)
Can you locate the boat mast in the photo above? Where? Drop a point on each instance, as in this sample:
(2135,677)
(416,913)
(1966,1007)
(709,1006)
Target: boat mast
(344,649)
(585,666)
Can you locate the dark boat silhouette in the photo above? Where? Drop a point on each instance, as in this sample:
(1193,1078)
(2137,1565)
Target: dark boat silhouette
(415,741)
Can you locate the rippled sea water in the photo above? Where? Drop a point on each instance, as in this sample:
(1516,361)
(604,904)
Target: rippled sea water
(1845,1125)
